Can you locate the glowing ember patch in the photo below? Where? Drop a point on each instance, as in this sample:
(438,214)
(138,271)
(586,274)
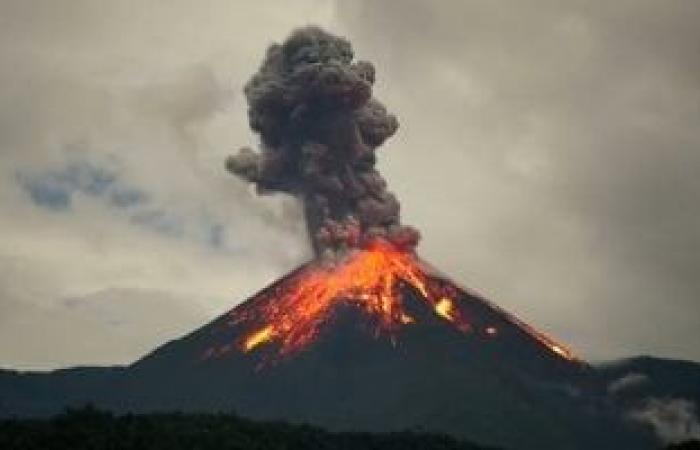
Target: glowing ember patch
(561,351)
(445,308)
(406,319)
(257,338)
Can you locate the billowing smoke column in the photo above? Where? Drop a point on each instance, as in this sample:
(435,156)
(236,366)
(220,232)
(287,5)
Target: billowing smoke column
(319,128)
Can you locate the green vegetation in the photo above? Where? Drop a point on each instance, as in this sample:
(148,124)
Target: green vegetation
(91,429)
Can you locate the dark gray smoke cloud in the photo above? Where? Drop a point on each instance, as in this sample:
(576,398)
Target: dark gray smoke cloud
(319,127)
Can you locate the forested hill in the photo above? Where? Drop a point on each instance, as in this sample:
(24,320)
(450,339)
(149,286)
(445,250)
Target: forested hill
(88,428)
(91,429)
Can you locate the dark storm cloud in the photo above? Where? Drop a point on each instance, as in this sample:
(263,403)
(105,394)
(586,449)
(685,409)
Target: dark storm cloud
(577,124)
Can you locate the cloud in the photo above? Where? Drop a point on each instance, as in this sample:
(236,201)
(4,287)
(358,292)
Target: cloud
(673,420)
(99,328)
(54,189)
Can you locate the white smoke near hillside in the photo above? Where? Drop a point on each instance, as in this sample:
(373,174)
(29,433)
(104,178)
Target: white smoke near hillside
(673,420)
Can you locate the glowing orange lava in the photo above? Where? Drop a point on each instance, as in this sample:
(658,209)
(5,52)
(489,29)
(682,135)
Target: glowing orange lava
(292,313)
(369,279)
(445,308)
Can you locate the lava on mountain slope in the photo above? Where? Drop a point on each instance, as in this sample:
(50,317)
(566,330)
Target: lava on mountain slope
(292,314)
(320,128)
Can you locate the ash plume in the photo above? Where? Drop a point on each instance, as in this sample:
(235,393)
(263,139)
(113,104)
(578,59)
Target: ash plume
(319,127)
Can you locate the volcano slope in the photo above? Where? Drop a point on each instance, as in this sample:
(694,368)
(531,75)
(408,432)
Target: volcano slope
(381,342)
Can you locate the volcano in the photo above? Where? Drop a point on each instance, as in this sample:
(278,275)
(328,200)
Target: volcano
(367,336)
(292,314)
(378,341)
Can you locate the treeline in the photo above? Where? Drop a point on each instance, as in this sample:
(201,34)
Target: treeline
(91,429)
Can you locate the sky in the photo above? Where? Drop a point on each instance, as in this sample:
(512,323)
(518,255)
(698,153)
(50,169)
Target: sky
(548,152)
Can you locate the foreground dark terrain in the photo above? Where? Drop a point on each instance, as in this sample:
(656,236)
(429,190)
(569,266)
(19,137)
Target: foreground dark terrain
(88,428)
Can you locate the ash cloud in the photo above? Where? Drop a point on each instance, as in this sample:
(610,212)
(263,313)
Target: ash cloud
(319,128)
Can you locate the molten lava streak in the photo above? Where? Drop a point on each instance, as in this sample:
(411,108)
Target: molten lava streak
(293,313)
(369,279)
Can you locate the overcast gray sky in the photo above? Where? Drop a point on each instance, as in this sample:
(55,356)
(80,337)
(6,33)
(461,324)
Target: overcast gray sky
(548,151)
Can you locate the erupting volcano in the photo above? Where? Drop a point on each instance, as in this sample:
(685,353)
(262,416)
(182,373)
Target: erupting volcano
(319,127)
(366,336)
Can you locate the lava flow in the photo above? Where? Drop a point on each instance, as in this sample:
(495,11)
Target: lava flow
(292,314)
